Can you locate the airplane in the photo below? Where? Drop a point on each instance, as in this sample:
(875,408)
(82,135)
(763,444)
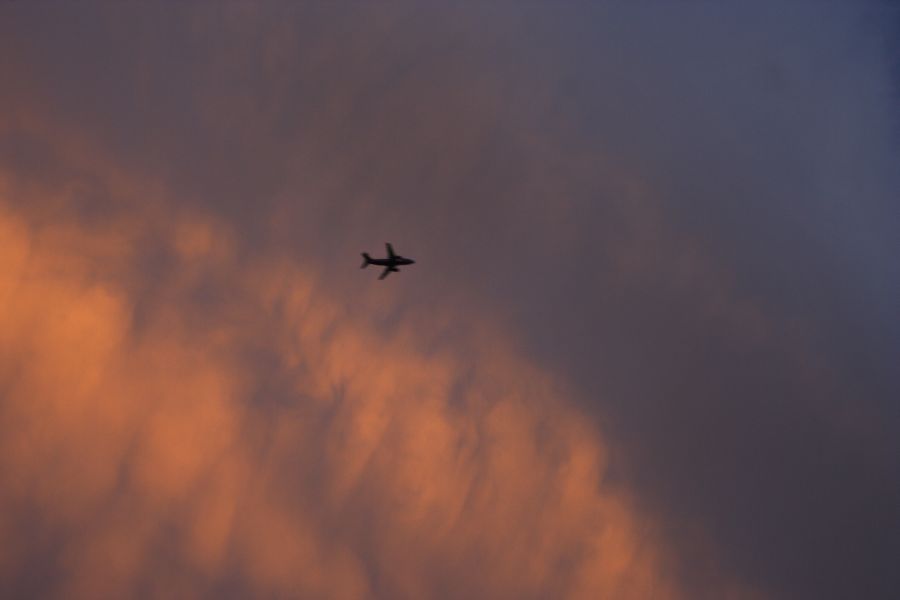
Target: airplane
(390,263)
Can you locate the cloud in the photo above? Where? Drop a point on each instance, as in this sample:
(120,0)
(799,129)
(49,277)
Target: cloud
(254,434)
(683,218)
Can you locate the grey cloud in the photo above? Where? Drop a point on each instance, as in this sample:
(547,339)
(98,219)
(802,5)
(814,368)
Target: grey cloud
(689,211)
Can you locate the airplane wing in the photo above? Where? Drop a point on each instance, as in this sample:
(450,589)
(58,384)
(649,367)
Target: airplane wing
(390,250)
(387,271)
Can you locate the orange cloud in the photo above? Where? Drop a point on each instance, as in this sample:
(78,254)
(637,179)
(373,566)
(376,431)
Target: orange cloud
(274,440)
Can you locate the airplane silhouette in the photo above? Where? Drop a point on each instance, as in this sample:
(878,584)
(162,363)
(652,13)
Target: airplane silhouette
(390,263)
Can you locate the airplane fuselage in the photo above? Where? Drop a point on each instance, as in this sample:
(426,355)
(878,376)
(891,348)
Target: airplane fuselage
(396,261)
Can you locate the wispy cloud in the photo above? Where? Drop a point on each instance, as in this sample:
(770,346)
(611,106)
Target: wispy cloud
(647,348)
(253,433)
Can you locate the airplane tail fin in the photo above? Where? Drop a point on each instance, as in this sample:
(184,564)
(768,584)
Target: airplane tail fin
(367,260)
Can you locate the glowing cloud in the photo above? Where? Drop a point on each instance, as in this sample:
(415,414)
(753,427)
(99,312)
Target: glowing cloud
(269,437)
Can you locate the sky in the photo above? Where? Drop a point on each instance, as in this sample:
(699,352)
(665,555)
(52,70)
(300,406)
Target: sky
(648,349)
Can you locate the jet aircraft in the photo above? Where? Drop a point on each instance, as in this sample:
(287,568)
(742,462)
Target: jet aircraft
(390,263)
